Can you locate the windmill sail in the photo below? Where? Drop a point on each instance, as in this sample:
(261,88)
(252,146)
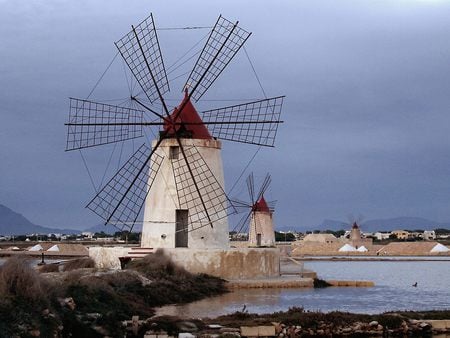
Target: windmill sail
(223,43)
(91,124)
(141,52)
(198,190)
(254,122)
(120,201)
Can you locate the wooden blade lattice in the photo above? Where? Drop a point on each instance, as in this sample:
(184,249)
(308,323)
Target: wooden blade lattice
(92,124)
(212,193)
(223,43)
(120,201)
(255,122)
(141,52)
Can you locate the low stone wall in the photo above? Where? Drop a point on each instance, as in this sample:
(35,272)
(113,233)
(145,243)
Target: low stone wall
(235,263)
(268,283)
(351,283)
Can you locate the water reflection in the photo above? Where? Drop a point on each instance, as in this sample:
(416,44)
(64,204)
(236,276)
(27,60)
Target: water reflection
(393,291)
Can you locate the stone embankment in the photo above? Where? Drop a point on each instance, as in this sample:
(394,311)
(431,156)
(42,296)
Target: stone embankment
(291,282)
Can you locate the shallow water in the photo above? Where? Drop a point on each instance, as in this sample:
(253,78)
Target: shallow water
(393,291)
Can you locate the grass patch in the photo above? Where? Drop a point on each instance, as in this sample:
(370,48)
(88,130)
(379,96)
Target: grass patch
(79,263)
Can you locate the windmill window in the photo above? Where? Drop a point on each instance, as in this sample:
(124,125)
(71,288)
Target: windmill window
(174,153)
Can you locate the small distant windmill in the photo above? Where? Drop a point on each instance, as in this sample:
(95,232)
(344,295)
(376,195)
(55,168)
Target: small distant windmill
(258,218)
(179,180)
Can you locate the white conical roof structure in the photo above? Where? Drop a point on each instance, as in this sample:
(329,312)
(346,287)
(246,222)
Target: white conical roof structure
(36,247)
(440,248)
(362,249)
(54,248)
(347,248)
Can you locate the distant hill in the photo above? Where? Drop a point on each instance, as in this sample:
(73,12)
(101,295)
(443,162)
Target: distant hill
(13,223)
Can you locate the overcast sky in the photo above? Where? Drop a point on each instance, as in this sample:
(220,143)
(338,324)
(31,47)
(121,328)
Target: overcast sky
(367,109)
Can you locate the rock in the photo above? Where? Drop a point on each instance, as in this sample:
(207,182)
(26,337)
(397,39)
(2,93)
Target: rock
(425,326)
(100,330)
(380,327)
(187,326)
(229,329)
(185,335)
(68,302)
(35,333)
(45,312)
(320,332)
(214,326)
(373,323)
(93,316)
(346,330)
(229,335)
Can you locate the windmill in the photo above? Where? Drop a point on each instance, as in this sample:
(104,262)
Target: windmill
(258,217)
(179,179)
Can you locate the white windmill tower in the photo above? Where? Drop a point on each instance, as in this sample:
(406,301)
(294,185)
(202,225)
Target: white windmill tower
(179,180)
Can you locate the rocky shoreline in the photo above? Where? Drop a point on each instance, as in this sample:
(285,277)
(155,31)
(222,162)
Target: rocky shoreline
(296,323)
(81,301)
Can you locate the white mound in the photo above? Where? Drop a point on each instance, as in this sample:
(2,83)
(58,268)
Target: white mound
(54,248)
(347,248)
(362,249)
(36,247)
(440,248)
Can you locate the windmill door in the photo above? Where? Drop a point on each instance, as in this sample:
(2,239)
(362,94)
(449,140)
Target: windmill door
(181,233)
(258,239)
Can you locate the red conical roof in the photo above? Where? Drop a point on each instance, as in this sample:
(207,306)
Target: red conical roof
(188,115)
(261,205)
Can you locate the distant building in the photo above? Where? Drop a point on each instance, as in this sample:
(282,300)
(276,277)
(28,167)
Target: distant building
(401,234)
(429,235)
(381,235)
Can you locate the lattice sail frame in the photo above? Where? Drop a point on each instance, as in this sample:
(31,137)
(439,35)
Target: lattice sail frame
(120,201)
(209,188)
(141,51)
(92,124)
(223,43)
(254,122)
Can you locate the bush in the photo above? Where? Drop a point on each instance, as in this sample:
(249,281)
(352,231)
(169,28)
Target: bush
(79,263)
(157,266)
(49,268)
(19,279)
(320,283)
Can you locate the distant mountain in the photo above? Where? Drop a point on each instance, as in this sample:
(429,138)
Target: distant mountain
(389,224)
(110,229)
(13,223)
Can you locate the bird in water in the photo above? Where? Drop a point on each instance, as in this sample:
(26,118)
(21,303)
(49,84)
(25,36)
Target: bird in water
(415,284)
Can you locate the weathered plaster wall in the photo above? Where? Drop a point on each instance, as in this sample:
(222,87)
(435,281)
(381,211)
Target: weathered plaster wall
(235,263)
(261,222)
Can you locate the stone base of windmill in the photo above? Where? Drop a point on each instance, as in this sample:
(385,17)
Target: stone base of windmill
(233,263)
